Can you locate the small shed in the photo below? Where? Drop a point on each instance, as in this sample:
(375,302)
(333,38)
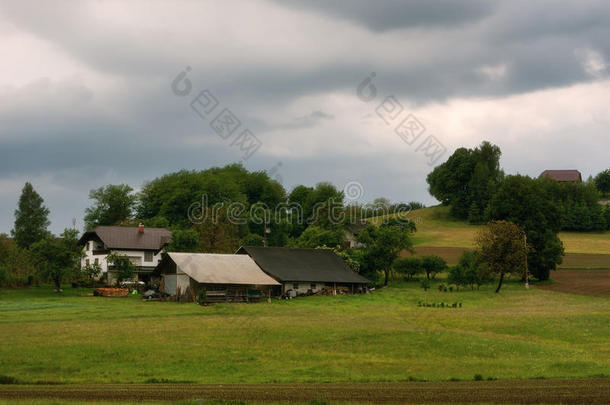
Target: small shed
(216,277)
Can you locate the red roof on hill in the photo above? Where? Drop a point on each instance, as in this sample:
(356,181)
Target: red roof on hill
(563,175)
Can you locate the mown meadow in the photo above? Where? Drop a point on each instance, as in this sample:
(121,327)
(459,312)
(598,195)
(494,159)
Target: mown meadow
(383,336)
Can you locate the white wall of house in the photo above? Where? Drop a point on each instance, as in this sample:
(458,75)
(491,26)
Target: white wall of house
(351,240)
(303,286)
(138,257)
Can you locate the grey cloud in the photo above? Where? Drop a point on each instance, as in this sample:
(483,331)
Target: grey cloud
(422,52)
(382,15)
(311,119)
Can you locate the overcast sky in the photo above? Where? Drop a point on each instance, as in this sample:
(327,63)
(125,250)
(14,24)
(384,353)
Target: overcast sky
(86,95)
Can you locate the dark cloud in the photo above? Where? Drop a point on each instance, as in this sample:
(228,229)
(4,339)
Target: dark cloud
(266,62)
(383,15)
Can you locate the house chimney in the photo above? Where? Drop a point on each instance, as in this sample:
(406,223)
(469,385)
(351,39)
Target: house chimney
(141,228)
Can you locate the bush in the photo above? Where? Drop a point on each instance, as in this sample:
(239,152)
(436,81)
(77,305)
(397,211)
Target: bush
(202,298)
(253,239)
(467,272)
(92,271)
(7,379)
(408,266)
(122,264)
(425,284)
(16,265)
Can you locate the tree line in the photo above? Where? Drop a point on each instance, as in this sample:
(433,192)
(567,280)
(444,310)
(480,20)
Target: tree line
(307,217)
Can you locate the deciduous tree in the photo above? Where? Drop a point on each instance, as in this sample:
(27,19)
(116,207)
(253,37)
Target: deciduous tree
(526,202)
(501,249)
(382,246)
(123,267)
(112,204)
(433,265)
(467,181)
(408,266)
(58,258)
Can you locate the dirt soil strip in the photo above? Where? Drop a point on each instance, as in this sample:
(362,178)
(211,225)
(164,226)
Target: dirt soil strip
(585,282)
(573,391)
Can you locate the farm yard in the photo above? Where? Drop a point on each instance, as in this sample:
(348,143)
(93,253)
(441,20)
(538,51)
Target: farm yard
(382,337)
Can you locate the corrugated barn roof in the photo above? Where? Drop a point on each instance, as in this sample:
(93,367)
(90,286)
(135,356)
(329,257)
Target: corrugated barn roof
(211,268)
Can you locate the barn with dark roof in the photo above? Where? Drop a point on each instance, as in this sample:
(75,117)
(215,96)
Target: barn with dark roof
(304,271)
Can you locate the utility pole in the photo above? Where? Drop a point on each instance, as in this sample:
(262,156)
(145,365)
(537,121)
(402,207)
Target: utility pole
(527,275)
(267,230)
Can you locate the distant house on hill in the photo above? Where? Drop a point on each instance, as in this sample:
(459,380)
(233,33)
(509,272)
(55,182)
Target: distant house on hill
(305,270)
(142,246)
(221,277)
(563,176)
(352,231)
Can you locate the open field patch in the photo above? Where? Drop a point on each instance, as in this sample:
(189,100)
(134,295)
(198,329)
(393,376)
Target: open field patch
(586,282)
(379,337)
(435,229)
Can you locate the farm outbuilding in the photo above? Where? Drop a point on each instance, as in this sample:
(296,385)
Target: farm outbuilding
(217,277)
(306,271)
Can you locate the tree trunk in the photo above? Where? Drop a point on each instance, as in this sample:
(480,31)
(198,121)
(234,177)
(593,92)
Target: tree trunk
(57,281)
(500,283)
(387,274)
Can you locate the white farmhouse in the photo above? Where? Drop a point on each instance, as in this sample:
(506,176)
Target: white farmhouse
(143,247)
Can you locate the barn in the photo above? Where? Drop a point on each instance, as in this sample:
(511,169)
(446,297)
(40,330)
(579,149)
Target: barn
(216,277)
(305,271)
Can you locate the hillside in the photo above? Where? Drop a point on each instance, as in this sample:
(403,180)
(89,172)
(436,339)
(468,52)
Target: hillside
(438,233)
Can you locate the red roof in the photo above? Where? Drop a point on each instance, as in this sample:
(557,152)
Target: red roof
(563,175)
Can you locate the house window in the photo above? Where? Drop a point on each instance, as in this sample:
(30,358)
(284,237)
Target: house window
(97,261)
(86,262)
(148,256)
(295,286)
(312,286)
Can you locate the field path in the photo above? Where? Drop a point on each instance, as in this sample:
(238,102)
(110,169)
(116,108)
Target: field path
(573,391)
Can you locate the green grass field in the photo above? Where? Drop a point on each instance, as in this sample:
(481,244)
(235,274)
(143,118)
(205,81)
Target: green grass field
(383,336)
(436,229)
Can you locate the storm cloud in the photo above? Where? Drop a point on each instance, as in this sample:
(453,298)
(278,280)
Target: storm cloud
(86,97)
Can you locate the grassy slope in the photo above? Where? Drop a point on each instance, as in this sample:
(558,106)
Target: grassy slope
(382,336)
(436,229)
